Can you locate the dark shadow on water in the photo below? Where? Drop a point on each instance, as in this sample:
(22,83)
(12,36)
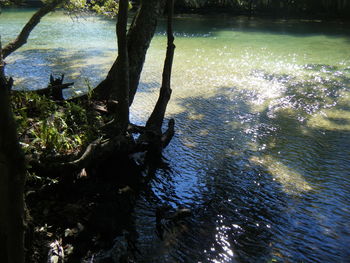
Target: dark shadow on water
(149,87)
(339,121)
(237,205)
(31,68)
(243,211)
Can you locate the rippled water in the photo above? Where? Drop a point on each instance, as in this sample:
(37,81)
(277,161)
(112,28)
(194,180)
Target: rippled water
(261,153)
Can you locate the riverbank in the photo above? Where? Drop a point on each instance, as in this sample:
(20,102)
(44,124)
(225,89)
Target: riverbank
(268,14)
(73,216)
(276,14)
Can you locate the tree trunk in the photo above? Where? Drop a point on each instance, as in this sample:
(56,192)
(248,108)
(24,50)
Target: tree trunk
(158,141)
(156,119)
(31,24)
(119,97)
(12,172)
(140,35)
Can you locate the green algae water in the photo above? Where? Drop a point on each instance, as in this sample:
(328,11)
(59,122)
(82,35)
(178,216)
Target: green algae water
(261,153)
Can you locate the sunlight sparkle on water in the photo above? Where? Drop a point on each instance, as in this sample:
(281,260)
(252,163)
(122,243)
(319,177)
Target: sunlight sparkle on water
(222,237)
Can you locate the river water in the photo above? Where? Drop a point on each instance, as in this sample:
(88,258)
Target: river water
(261,154)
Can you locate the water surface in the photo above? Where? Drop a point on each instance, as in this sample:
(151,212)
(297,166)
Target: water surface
(261,153)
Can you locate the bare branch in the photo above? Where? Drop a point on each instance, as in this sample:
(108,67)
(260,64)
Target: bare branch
(27,29)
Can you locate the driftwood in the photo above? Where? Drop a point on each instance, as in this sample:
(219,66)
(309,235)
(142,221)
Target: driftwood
(54,92)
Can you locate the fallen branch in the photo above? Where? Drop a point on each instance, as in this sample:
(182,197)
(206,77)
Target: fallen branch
(94,154)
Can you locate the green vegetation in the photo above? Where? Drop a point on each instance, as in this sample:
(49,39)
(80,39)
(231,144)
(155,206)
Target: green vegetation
(277,7)
(50,127)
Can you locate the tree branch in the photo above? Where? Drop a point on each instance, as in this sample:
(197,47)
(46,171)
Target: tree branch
(95,153)
(27,29)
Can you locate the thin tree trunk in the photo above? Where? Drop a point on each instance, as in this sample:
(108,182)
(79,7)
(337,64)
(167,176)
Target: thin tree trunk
(22,38)
(140,35)
(119,97)
(12,171)
(156,119)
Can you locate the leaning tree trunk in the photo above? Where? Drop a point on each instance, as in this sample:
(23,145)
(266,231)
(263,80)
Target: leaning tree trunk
(139,36)
(157,140)
(31,24)
(156,119)
(12,171)
(119,97)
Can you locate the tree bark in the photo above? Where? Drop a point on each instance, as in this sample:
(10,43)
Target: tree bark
(22,38)
(153,135)
(120,82)
(140,35)
(12,174)
(156,119)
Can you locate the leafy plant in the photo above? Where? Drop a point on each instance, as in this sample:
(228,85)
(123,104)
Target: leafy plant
(46,126)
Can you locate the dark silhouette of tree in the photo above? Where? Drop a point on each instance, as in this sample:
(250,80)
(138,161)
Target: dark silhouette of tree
(12,174)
